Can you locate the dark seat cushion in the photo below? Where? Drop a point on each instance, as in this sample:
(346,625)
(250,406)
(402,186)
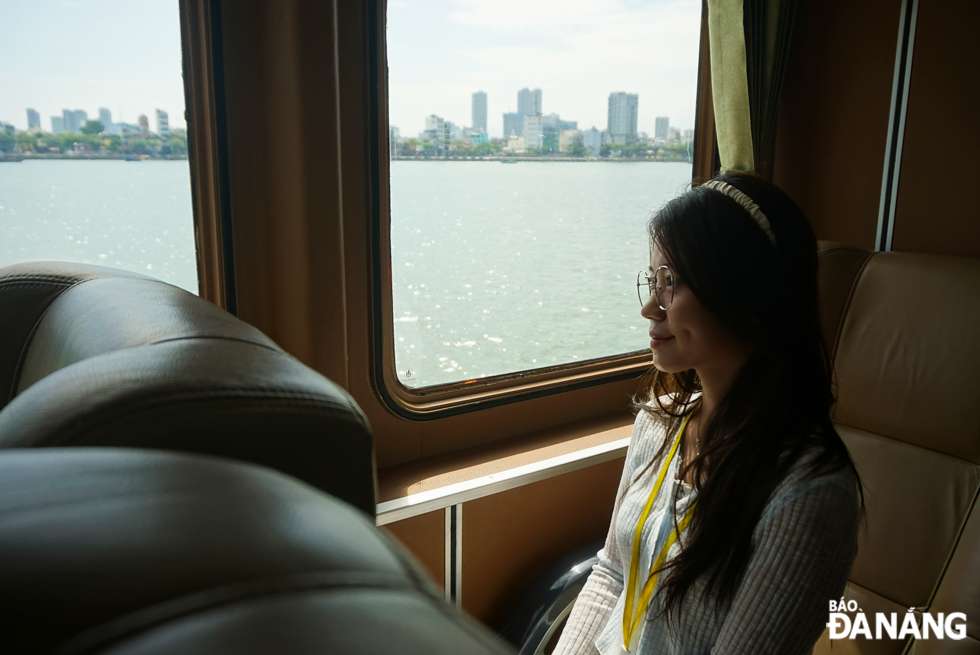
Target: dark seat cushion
(140,551)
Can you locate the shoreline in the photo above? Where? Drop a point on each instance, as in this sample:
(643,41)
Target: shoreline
(509,160)
(90,157)
(515,160)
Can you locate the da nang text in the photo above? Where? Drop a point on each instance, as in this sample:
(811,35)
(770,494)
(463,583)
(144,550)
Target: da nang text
(892,625)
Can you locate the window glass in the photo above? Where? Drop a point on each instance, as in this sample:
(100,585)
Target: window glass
(93,140)
(529,142)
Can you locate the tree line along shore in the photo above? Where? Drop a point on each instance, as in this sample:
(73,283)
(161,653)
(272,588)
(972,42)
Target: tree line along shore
(91,143)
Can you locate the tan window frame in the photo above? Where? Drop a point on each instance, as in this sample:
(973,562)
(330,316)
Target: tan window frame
(443,400)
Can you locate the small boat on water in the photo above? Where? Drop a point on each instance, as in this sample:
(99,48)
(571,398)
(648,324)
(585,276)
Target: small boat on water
(508,161)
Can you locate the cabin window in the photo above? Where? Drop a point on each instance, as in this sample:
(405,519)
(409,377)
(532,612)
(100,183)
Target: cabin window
(92,138)
(528,144)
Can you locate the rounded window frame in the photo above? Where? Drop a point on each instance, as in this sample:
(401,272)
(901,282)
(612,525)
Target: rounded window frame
(443,400)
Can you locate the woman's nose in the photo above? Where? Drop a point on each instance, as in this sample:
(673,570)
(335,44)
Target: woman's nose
(651,310)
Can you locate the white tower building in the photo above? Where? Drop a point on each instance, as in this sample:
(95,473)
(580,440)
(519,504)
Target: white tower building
(163,124)
(480,111)
(623,109)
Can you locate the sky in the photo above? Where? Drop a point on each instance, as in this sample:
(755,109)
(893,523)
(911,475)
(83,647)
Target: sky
(576,51)
(88,54)
(125,55)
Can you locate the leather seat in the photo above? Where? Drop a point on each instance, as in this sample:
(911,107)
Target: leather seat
(124,551)
(903,333)
(93,356)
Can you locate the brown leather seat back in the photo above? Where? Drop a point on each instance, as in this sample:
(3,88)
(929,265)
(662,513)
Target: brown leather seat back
(98,357)
(903,330)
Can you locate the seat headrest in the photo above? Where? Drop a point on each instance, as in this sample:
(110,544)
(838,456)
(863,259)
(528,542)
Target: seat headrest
(906,349)
(27,289)
(119,359)
(106,314)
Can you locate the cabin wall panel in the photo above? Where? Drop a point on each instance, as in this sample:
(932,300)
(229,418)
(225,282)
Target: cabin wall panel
(281,88)
(425,537)
(509,537)
(935,211)
(247,202)
(833,115)
(454,432)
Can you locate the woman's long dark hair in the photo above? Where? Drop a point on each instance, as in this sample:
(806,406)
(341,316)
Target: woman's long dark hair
(780,402)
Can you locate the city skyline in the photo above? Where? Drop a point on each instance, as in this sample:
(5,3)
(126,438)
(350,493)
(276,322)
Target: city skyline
(621,122)
(72,120)
(577,54)
(52,61)
(539,134)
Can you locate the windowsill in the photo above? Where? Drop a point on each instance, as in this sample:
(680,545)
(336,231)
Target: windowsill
(433,483)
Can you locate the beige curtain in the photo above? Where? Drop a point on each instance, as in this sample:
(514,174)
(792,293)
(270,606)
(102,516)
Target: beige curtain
(749,48)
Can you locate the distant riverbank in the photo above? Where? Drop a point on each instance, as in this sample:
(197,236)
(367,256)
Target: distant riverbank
(89,156)
(682,160)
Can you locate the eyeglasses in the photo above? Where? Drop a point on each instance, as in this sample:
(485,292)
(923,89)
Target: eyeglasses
(661,283)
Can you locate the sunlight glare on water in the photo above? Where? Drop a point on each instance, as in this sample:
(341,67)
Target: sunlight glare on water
(131,215)
(500,268)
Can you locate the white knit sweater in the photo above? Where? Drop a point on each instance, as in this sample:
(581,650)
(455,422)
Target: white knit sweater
(803,548)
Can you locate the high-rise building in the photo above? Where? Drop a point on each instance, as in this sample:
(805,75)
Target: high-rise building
(57,124)
(661,127)
(529,102)
(438,131)
(623,109)
(513,124)
(592,140)
(72,121)
(33,119)
(144,124)
(480,111)
(163,124)
(534,131)
(105,117)
(81,117)
(542,131)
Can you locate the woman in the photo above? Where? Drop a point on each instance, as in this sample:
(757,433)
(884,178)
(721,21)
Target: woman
(737,514)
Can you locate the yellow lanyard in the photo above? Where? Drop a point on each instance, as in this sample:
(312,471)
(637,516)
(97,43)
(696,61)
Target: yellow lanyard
(632,620)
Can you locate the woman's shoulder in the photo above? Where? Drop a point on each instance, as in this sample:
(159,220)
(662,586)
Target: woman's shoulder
(812,483)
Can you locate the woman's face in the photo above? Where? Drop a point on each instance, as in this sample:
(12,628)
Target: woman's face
(686,335)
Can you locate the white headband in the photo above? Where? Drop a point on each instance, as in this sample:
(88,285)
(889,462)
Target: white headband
(746,202)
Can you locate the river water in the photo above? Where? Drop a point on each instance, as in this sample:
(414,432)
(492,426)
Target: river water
(500,267)
(496,267)
(133,215)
